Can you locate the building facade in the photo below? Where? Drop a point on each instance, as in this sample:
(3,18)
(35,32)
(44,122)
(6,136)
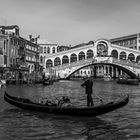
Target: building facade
(20,57)
(45,50)
(130,41)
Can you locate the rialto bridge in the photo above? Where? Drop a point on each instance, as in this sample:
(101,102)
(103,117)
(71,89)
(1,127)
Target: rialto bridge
(66,62)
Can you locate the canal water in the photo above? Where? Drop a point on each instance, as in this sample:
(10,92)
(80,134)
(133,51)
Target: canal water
(124,123)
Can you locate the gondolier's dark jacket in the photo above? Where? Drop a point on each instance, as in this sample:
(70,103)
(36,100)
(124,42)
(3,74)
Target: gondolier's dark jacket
(88,85)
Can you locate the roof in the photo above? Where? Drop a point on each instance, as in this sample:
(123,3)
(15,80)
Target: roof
(124,37)
(9,27)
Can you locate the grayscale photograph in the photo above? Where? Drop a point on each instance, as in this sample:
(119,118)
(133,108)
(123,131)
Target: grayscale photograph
(69,70)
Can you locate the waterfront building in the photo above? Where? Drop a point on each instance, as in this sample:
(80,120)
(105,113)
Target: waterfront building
(3,52)
(14,53)
(20,57)
(32,59)
(46,49)
(131,41)
(61,48)
(101,50)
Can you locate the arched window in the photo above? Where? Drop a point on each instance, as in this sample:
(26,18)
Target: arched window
(73,57)
(114,54)
(81,56)
(48,50)
(57,61)
(131,57)
(65,59)
(49,63)
(89,54)
(138,59)
(53,50)
(123,55)
(44,49)
(102,49)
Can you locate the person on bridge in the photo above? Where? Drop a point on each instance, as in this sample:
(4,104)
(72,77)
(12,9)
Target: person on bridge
(88,84)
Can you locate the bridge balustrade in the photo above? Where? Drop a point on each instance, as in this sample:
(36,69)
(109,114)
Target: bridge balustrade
(126,63)
(94,60)
(73,64)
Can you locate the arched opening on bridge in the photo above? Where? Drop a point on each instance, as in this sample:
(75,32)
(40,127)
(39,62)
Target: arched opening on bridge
(49,63)
(57,61)
(114,54)
(65,59)
(41,59)
(81,56)
(138,59)
(123,55)
(131,57)
(73,58)
(89,54)
(102,49)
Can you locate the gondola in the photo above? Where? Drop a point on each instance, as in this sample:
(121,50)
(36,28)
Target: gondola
(47,83)
(72,111)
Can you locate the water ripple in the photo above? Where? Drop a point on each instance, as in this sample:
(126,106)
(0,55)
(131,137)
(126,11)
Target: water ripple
(121,124)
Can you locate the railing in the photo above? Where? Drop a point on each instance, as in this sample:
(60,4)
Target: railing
(126,63)
(96,60)
(73,64)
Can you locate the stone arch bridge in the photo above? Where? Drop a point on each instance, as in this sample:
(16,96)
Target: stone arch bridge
(113,65)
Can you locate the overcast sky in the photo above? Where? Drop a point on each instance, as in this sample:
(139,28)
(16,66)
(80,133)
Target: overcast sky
(71,22)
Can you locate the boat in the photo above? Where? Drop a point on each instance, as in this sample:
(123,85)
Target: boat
(107,77)
(127,81)
(71,110)
(47,82)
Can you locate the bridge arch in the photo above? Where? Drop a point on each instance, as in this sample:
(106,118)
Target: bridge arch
(129,72)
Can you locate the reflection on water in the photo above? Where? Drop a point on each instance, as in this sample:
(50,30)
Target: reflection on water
(121,124)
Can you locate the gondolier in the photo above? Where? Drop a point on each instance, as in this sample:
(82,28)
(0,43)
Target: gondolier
(88,84)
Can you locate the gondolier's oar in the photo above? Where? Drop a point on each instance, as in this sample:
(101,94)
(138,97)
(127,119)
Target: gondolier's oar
(101,100)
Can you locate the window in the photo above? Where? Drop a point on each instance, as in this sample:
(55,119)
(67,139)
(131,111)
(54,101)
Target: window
(53,50)
(1,51)
(44,49)
(41,49)
(131,41)
(48,50)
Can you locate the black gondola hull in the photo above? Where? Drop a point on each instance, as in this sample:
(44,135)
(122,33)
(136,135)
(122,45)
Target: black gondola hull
(73,111)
